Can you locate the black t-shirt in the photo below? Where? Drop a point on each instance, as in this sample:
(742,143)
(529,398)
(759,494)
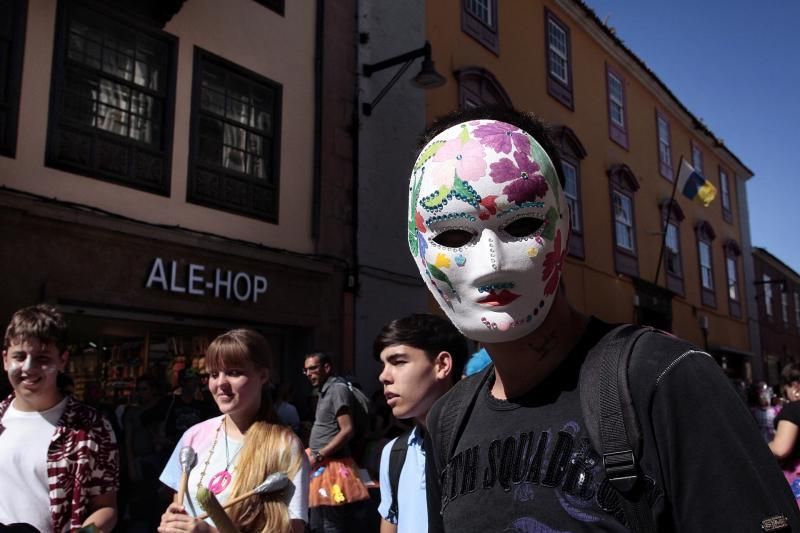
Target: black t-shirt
(791,413)
(527,464)
(183,415)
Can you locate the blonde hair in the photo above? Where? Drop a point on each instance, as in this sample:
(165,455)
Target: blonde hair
(268,447)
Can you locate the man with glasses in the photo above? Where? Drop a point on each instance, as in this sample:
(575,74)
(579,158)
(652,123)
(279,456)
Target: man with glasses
(335,484)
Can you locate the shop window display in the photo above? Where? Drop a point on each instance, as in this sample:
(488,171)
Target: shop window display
(105,370)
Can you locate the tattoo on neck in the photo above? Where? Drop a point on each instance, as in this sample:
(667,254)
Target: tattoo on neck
(544,345)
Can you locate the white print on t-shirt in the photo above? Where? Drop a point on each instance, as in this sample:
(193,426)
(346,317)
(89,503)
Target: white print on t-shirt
(526,459)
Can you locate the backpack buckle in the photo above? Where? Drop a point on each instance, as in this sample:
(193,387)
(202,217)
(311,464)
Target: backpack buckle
(621,470)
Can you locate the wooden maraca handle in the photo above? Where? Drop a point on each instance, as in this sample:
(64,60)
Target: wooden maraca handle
(184,484)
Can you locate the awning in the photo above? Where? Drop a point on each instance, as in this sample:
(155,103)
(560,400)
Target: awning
(727,350)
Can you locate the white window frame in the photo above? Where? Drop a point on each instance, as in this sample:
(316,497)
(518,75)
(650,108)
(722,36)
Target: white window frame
(481,10)
(697,159)
(726,194)
(673,247)
(557,44)
(706,267)
(767,281)
(664,147)
(571,193)
(617,100)
(623,221)
(733,281)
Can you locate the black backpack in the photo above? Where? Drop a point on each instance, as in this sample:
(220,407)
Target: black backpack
(607,408)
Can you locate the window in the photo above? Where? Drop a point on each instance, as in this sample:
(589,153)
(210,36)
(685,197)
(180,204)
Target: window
(697,159)
(797,309)
(732,253)
(706,268)
(558,52)
(767,282)
(623,221)
(571,192)
(673,250)
(572,152)
(623,185)
(234,139)
(479,21)
(671,217)
(12,43)
(785,307)
(477,87)
(559,69)
(733,283)
(726,196)
(616,103)
(113,99)
(705,236)
(617,120)
(482,10)
(664,155)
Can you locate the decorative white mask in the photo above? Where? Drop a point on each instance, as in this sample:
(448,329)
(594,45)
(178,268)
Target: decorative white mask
(487,226)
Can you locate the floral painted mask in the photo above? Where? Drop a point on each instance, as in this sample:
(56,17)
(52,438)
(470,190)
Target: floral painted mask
(487,227)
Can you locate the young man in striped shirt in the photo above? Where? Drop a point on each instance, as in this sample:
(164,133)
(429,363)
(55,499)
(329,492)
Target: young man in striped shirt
(57,456)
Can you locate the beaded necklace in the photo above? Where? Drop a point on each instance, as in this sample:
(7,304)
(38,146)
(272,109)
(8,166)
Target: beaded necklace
(222,479)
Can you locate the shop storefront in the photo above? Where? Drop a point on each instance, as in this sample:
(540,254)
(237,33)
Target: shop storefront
(146,299)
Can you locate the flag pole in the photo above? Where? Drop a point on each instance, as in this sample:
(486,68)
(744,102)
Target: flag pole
(666,224)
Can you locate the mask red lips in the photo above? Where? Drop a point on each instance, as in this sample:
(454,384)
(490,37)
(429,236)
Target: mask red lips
(495,299)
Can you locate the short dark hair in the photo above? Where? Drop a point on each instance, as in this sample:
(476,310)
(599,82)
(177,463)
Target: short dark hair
(429,333)
(527,122)
(324,358)
(43,322)
(790,374)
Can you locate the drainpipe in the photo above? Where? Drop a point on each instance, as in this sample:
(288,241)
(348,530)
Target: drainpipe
(319,46)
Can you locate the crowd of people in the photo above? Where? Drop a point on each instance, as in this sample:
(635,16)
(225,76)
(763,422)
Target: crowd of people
(562,422)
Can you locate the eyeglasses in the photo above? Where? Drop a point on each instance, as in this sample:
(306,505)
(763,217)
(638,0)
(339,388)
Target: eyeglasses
(312,368)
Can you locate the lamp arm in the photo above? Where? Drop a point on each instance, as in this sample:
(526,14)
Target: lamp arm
(368,106)
(369,69)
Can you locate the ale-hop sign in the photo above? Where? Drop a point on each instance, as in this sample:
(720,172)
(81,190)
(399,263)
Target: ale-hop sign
(200,280)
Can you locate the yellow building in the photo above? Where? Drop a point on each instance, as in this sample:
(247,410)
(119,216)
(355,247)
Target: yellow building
(622,135)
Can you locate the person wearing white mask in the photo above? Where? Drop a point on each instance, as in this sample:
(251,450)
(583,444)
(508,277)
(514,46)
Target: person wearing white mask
(488,225)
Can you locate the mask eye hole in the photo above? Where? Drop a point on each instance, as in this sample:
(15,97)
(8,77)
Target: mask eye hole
(453,238)
(524,227)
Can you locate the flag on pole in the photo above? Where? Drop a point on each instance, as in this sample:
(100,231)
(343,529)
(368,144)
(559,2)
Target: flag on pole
(694,186)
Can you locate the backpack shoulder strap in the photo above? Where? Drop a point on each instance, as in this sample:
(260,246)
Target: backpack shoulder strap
(397,459)
(611,420)
(457,406)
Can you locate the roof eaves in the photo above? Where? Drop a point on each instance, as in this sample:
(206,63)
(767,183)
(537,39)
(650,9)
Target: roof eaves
(697,123)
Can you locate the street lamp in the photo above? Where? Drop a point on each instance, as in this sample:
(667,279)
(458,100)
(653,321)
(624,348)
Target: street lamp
(427,78)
